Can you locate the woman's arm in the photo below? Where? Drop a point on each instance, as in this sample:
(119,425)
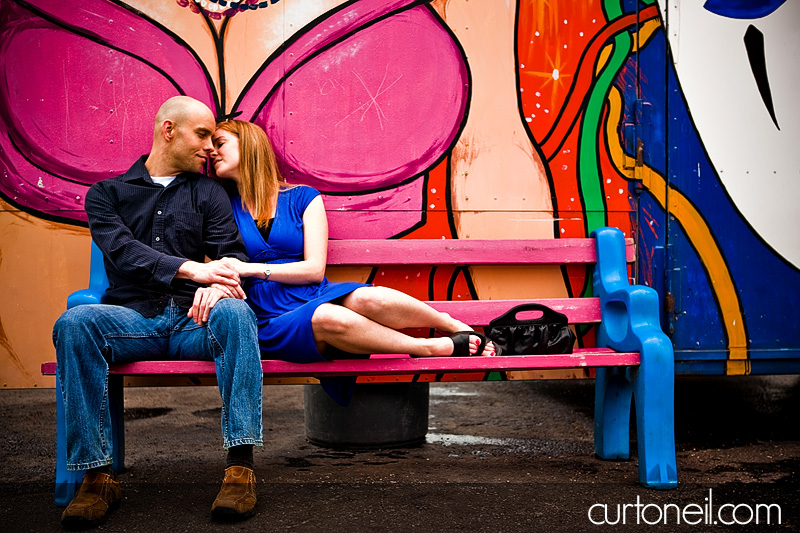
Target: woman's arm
(315,252)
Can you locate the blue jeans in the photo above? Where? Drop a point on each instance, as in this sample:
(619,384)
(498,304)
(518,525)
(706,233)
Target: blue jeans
(89,337)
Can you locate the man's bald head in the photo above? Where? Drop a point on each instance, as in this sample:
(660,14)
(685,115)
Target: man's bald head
(177,110)
(181,137)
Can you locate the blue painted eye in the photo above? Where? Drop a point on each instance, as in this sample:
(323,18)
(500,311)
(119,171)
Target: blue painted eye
(743,9)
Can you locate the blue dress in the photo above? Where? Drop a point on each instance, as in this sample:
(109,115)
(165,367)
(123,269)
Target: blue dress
(284,311)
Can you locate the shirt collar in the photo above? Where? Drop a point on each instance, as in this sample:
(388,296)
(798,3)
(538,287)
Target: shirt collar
(139,172)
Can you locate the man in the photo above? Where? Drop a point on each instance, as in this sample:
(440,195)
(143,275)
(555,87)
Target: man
(156,224)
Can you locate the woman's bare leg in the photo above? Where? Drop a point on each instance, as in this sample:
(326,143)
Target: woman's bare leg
(352,332)
(397,310)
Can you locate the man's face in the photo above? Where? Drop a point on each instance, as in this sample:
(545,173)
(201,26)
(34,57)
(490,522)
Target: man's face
(191,144)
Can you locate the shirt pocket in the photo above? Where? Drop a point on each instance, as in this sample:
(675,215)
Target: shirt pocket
(187,228)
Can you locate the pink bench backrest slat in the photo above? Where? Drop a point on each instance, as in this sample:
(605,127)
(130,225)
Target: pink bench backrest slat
(481,312)
(465,251)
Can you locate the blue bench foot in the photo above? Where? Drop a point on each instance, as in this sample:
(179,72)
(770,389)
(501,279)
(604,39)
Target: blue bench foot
(653,389)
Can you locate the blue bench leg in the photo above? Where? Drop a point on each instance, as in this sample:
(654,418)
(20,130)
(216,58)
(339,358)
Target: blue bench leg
(612,412)
(68,481)
(116,404)
(653,389)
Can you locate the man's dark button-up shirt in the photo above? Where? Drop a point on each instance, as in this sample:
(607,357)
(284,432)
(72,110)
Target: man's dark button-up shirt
(147,231)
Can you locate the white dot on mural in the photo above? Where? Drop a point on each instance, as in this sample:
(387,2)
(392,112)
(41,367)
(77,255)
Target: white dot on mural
(565,21)
(432,206)
(538,106)
(594,20)
(581,34)
(433,191)
(572,199)
(533,116)
(563,230)
(546,110)
(536,33)
(564,167)
(528,119)
(555,74)
(608,180)
(521,65)
(565,47)
(537,93)
(621,191)
(521,89)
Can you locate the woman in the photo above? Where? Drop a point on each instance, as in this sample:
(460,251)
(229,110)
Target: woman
(303,317)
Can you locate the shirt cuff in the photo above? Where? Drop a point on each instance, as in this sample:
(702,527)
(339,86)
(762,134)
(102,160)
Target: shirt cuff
(166,268)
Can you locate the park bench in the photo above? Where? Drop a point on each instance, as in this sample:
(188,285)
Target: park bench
(633,358)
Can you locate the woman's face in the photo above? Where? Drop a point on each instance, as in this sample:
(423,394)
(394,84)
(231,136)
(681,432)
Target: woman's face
(225,156)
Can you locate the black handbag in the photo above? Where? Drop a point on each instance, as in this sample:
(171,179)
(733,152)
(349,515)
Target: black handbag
(549,333)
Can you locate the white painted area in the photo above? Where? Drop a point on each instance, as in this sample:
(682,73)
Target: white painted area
(758,164)
(449,391)
(472,440)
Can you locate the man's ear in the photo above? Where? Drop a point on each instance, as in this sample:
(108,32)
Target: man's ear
(168,129)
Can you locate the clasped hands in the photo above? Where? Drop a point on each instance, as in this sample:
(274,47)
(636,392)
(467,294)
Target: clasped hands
(222,280)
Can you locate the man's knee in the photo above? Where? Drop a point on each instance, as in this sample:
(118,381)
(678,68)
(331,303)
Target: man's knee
(231,310)
(75,319)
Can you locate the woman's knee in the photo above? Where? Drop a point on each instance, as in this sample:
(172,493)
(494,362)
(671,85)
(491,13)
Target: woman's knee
(370,300)
(331,319)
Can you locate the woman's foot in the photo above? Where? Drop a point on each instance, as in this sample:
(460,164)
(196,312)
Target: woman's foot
(461,344)
(456,327)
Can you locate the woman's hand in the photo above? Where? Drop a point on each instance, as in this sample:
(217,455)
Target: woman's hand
(240,267)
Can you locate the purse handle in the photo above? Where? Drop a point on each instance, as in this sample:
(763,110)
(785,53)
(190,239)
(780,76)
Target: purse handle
(549,316)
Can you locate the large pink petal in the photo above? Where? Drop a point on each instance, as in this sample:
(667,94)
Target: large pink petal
(77,98)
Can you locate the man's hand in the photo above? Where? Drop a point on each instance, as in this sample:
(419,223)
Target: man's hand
(208,273)
(205,298)
(231,291)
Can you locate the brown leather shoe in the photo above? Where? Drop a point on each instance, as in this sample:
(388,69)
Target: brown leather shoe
(98,494)
(237,497)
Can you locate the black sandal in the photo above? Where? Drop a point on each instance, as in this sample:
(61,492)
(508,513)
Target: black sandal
(461,343)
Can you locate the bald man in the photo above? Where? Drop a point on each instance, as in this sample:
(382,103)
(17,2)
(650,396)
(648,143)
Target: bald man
(156,224)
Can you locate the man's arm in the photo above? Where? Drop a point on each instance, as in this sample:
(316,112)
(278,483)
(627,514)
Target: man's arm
(119,245)
(221,238)
(136,259)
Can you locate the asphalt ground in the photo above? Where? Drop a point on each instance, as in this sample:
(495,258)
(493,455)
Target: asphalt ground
(499,457)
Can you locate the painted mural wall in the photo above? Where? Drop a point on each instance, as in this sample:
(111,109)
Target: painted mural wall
(451,119)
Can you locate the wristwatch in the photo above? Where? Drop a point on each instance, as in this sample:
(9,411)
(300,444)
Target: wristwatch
(267,272)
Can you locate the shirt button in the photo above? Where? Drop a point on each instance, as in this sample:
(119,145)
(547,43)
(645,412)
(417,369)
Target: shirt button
(159,212)
(158,239)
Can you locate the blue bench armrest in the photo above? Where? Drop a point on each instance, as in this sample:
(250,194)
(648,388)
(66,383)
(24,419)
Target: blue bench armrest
(630,312)
(98,282)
